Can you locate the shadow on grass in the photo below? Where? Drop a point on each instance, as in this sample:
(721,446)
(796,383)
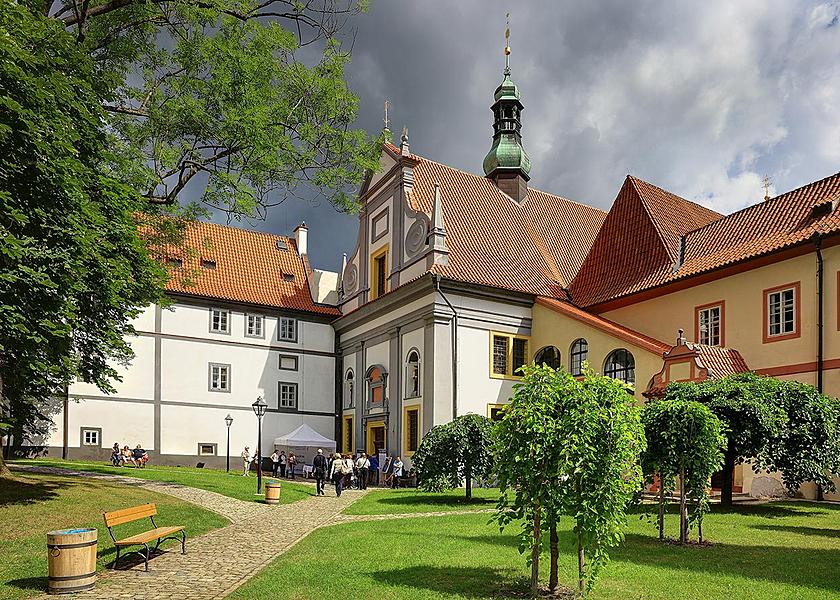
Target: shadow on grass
(768,510)
(409,499)
(818,531)
(468,582)
(17,490)
(29,584)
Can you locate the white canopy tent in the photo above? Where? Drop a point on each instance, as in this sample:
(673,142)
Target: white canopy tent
(304,443)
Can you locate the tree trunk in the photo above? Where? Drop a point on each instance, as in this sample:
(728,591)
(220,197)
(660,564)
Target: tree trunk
(580,563)
(4,470)
(552,577)
(683,512)
(535,553)
(469,486)
(700,528)
(728,475)
(661,508)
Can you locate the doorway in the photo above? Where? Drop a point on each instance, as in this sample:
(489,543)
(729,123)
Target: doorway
(375,437)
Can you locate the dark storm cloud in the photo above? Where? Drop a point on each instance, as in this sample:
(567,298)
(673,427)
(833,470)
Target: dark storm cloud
(699,98)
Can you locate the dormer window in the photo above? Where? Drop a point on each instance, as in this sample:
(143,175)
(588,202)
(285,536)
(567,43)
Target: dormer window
(206,263)
(288,277)
(282,245)
(175,263)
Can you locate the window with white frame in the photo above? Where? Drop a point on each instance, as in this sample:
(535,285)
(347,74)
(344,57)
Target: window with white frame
(578,354)
(287,396)
(709,320)
(781,312)
(207,449)
(287,329)
(219,377)
(219,320)
(412,375)
(254,326)
(90,437)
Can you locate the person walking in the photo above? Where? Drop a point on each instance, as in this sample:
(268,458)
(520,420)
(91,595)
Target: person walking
(292,464)
(275,463)
(283,460)
(336,475)
(347,469)
(362,466)
(398,471)
(246,461)
(319,467)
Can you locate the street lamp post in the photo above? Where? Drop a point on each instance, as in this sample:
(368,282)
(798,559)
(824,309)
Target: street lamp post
(259,407)
(228,422)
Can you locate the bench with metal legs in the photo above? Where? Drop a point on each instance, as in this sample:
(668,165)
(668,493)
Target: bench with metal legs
(157,534)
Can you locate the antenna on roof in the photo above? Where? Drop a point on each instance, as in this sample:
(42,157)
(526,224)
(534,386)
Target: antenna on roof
(765,182)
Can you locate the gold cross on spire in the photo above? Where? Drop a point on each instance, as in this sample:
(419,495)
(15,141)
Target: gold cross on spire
(385,120)
(507,43)
(765,182)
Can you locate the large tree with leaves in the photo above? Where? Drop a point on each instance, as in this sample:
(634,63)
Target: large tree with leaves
(453,453)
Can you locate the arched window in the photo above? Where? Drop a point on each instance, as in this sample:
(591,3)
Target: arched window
(577,356)
(412,374)
(621,365)
(549,356)
(349,391)
(376,385)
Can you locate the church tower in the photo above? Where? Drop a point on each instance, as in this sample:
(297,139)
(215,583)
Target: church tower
(507,164)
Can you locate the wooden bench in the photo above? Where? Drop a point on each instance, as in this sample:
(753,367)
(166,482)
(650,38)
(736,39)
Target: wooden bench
(127,515)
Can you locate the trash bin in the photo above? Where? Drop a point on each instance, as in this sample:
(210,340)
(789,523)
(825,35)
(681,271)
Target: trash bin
(272,492)
(72,560)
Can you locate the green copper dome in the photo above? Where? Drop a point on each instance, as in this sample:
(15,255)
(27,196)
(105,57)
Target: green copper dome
(507,153)
(507,90)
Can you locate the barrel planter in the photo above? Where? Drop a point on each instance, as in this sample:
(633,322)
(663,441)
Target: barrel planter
(72,560)
(272,492)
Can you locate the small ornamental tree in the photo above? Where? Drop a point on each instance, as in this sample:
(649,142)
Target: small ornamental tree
(685,439)
(455,452)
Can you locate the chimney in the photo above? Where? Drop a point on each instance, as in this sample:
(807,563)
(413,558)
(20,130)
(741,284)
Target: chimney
(301,234)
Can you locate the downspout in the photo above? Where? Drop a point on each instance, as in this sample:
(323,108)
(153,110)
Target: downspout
(454,347)
(818,244)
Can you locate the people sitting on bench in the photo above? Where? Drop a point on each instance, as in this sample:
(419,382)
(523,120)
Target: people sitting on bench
(115,455)
(160,534)
(141,457)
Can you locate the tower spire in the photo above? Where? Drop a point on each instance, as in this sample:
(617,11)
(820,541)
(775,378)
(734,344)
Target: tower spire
(507,44)
(386,132)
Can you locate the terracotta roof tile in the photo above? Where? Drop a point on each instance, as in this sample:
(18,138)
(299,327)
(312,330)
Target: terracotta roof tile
(721,361)
(249,268)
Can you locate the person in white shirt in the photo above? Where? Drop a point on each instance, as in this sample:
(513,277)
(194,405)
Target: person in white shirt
(397,472)
(275,463)
(335,473)
(362,468)
(246,461)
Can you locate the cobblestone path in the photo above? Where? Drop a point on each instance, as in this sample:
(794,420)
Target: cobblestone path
(220,561)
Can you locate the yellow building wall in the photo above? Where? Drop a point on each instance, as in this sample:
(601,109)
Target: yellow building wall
(550,328)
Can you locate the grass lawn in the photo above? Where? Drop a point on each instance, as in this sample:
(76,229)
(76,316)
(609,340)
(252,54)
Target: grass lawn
(785,550)
(228,484)
(410,500)
(32,504)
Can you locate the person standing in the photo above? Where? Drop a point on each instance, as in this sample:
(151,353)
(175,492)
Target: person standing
(319,467)
(246,461)
(283,460)
(275,463)
(398,471)
(292,464)
(335,473)
(362,466)
(374,470)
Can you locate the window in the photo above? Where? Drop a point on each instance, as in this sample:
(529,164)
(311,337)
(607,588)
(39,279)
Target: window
(495,411)
(376,385)
(206,263)
(577,356)
(549,356)
(287,395)
(379,273)
(287,329)
(621,365)
(219,320)
(207,449)
(288,363)
(708,324)
(288,276)
(411,427)
(175,263)
(219,377)
(90,437)
(254,326)
(349,390)
(412,375)
(347,435)
(507,354)
(781,312)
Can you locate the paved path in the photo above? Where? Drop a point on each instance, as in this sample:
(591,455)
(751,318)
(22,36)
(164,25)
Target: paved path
(220,561)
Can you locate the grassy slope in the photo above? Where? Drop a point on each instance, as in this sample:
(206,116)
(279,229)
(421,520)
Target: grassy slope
(32,504)
(786,550)
(387,502)
(228,484)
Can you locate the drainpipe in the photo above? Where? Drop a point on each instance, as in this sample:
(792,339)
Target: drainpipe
(820,326)
(454,347)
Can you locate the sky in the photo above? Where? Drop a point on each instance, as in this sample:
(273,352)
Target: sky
(700,98)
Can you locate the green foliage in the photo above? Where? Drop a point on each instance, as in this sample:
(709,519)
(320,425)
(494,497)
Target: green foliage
(454,452)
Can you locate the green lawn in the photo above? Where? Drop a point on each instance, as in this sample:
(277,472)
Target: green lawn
(388,502)
(228,484)
(32,504)
(781,551)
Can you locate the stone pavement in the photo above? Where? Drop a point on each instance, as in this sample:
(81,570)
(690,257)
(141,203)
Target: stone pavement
(220,561)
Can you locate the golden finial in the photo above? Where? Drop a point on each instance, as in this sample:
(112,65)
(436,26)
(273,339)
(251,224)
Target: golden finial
(765,182)
(507,42)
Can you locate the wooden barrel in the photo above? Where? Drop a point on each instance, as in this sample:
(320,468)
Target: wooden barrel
(72,560)
(272,492)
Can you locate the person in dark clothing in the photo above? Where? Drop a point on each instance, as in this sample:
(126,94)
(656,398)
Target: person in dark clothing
(374,469)
(335,473)
(319,467)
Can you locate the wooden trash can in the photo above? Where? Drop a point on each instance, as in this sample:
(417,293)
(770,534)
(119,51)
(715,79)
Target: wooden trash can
(72,560)
(272,492)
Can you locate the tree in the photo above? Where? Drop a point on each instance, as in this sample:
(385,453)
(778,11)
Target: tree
(744,403)
(685,439)
(239,103)
(74,269)
(455,452)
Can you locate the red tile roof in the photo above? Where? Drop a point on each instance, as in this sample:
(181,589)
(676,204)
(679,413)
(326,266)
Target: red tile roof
(609,327)
(249,268)
(535,247)
(721,361)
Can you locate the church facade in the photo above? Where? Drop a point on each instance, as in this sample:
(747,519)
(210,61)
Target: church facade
(455,282)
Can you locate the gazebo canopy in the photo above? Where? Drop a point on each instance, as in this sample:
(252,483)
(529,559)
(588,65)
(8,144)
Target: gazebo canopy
(305,437)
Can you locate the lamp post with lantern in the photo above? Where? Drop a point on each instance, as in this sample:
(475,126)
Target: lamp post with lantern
(260,406)
(228,422)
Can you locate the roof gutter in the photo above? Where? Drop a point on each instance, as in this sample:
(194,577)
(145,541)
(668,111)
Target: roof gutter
(454,328)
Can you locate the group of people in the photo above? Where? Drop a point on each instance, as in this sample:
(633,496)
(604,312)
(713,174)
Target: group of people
(281,465)
(137,457)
